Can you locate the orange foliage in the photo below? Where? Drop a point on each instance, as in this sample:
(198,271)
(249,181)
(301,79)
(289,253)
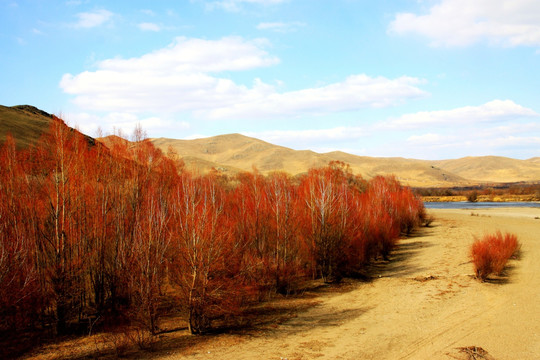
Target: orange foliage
(90,233)
(490,254)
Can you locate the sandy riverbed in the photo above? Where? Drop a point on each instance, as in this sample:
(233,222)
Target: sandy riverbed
(424,304)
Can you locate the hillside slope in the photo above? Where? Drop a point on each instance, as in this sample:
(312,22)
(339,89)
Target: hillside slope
(234,153)
(493,168)
(26,123)
(418,173)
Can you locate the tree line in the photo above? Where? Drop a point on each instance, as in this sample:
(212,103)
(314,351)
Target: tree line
(92,233)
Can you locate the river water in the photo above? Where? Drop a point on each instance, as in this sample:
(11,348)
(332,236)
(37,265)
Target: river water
(478,205)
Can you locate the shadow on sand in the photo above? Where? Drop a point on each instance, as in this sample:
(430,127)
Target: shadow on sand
(279,315)
(398,265)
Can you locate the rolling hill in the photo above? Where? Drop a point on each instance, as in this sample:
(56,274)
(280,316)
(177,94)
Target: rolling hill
(493,168)
(26,123)
(234,153)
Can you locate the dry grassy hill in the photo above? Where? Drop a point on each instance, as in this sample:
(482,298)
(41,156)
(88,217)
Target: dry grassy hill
(493,168)
(418,173)
(234,153)
(26,124)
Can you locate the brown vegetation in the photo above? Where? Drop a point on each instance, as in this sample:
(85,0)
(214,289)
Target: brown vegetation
(25,123)
(423,304)
(518,192)
(93,236)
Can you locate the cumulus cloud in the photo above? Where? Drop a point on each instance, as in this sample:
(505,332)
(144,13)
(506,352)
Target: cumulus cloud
(148,12)
(147,26)
(188,56)
(429,138)
(342,138)
(90,123)
(182,78)
(92,19)
(490,112)
(470,143)
(498,127)
(310,135)
(465,22)
(236,5)
(354,93)
(280,27)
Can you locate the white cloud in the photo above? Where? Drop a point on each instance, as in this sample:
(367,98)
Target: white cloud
(147,26)
(126,122)
(189,56)
(469,143)
(311,135)
(490,112)
(517,141)
(236,5)
(280,26)
(179,78)
(340,138)
(465,22)
(92,19)
(354,93)
(429,139)
(494,128)
(148,12)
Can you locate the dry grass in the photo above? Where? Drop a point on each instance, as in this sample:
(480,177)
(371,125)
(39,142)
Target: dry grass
(473,353)
(26,124)
(233,153)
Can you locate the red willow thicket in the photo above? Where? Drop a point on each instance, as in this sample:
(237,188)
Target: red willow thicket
(95,234)
(491,253)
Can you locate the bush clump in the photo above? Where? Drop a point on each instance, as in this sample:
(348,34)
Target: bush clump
(490,254)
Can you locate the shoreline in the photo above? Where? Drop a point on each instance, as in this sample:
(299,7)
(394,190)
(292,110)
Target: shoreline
(482,198)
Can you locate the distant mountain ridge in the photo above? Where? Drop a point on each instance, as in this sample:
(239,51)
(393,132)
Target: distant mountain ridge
(234,153)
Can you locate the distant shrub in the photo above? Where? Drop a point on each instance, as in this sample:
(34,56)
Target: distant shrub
(490,254)
(472,196)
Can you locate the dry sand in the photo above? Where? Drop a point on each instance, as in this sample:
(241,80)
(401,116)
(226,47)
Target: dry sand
(424,305)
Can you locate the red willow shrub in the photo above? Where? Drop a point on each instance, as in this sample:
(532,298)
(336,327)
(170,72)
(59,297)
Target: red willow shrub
(93,232)
(327,218)
(490,254)
(348,222)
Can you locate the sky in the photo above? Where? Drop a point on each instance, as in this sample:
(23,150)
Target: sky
(424,79)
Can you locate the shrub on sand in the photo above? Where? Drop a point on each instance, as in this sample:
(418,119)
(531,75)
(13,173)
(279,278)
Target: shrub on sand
(490,254)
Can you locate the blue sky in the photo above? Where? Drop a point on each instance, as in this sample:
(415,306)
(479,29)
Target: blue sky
(427,79)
